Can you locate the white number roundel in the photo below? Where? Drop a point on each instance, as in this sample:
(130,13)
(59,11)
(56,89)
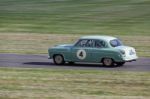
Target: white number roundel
(81,54)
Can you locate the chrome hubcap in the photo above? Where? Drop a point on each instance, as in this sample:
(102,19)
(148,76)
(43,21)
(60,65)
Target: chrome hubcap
(107,61)
(58,59)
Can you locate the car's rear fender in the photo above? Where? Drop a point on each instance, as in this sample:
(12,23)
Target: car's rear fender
(114,55)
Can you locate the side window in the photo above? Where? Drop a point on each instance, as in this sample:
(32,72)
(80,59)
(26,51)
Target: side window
(81,43)
(85,43)
(90,43)
(99,44)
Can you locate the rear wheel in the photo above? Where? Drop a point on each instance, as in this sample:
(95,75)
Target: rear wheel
(120,63)
(108,62)
(58,59)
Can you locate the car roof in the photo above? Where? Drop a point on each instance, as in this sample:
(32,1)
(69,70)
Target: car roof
(107,38)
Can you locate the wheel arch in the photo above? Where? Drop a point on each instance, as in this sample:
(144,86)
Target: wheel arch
(62,54)
(57,54)
(113,54)
(107,57)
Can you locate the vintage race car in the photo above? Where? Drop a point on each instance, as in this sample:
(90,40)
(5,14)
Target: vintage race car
(93,49)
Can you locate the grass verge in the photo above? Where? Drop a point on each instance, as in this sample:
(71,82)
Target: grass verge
(30,43)
(22,83)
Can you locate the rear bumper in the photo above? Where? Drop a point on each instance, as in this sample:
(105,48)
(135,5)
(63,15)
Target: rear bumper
(130,59)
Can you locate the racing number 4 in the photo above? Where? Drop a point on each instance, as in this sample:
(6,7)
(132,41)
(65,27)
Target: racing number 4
(81,54)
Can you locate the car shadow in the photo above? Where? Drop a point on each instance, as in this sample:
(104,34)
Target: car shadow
(50,64)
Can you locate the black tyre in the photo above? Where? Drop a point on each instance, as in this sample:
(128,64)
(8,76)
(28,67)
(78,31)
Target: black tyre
(58,59)
(108,62)
(120,63)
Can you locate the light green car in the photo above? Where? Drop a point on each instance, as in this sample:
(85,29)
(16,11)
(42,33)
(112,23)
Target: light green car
(93,49)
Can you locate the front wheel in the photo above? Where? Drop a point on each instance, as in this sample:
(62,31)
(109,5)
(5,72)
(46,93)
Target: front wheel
(58,59)
(108,62)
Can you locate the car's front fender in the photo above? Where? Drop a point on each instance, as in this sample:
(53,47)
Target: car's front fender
(65,52)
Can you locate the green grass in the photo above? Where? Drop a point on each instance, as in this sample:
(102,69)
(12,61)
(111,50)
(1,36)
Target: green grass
(123,17)
(25,83)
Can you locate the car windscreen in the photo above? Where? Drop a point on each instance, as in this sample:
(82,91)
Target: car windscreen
(115,43)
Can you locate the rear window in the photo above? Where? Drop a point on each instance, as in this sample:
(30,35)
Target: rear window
(115,43)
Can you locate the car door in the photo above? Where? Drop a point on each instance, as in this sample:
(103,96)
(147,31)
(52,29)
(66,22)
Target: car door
(81,52)
(99,50)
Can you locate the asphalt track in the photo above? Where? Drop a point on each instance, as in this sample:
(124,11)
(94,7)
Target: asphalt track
(41,61)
